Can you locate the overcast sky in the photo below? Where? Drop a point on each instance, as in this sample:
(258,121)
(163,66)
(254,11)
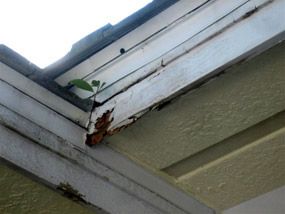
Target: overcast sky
(44,30)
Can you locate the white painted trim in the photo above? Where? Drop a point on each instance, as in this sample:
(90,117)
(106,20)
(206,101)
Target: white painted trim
(54,169)
(42,95)
(31,109)
(51,158)
(243,35)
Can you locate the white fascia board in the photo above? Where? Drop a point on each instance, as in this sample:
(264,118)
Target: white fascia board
(42,95)
(241,33)
(149,50)
(43,116)
(150,55)
(54,160)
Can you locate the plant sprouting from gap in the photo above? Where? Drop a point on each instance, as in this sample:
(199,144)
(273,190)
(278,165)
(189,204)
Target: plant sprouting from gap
(86,86)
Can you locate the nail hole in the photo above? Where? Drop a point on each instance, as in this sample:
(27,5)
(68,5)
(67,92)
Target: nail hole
(122,50)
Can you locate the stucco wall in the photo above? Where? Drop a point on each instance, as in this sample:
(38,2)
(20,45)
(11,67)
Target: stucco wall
(241,175)
(21,195)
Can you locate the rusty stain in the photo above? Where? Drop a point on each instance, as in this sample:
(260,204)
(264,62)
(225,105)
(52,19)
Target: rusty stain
(101,125)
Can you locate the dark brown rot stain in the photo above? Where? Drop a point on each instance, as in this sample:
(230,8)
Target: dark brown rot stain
(102,125)
(70,192)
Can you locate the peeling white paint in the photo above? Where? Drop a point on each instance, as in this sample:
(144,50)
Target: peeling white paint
(229,40)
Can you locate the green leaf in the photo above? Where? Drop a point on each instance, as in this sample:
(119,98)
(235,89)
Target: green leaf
(104,83)
(95,83)
(82,84)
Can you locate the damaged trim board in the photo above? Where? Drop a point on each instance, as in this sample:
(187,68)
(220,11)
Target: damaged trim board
(196,60)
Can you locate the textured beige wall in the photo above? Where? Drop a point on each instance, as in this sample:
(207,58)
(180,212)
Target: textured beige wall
(21,195)
(198,121)
(241,175)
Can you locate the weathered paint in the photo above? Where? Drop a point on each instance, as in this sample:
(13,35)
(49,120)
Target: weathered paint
(55,169)
(71,193)
(20,194)
(30,108)
(197,59)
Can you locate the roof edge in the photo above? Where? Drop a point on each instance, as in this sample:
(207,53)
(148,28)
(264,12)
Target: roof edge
(105,36)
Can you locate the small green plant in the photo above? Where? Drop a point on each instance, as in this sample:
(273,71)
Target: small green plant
(86,86)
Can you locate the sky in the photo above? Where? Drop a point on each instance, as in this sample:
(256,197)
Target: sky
(43,31)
